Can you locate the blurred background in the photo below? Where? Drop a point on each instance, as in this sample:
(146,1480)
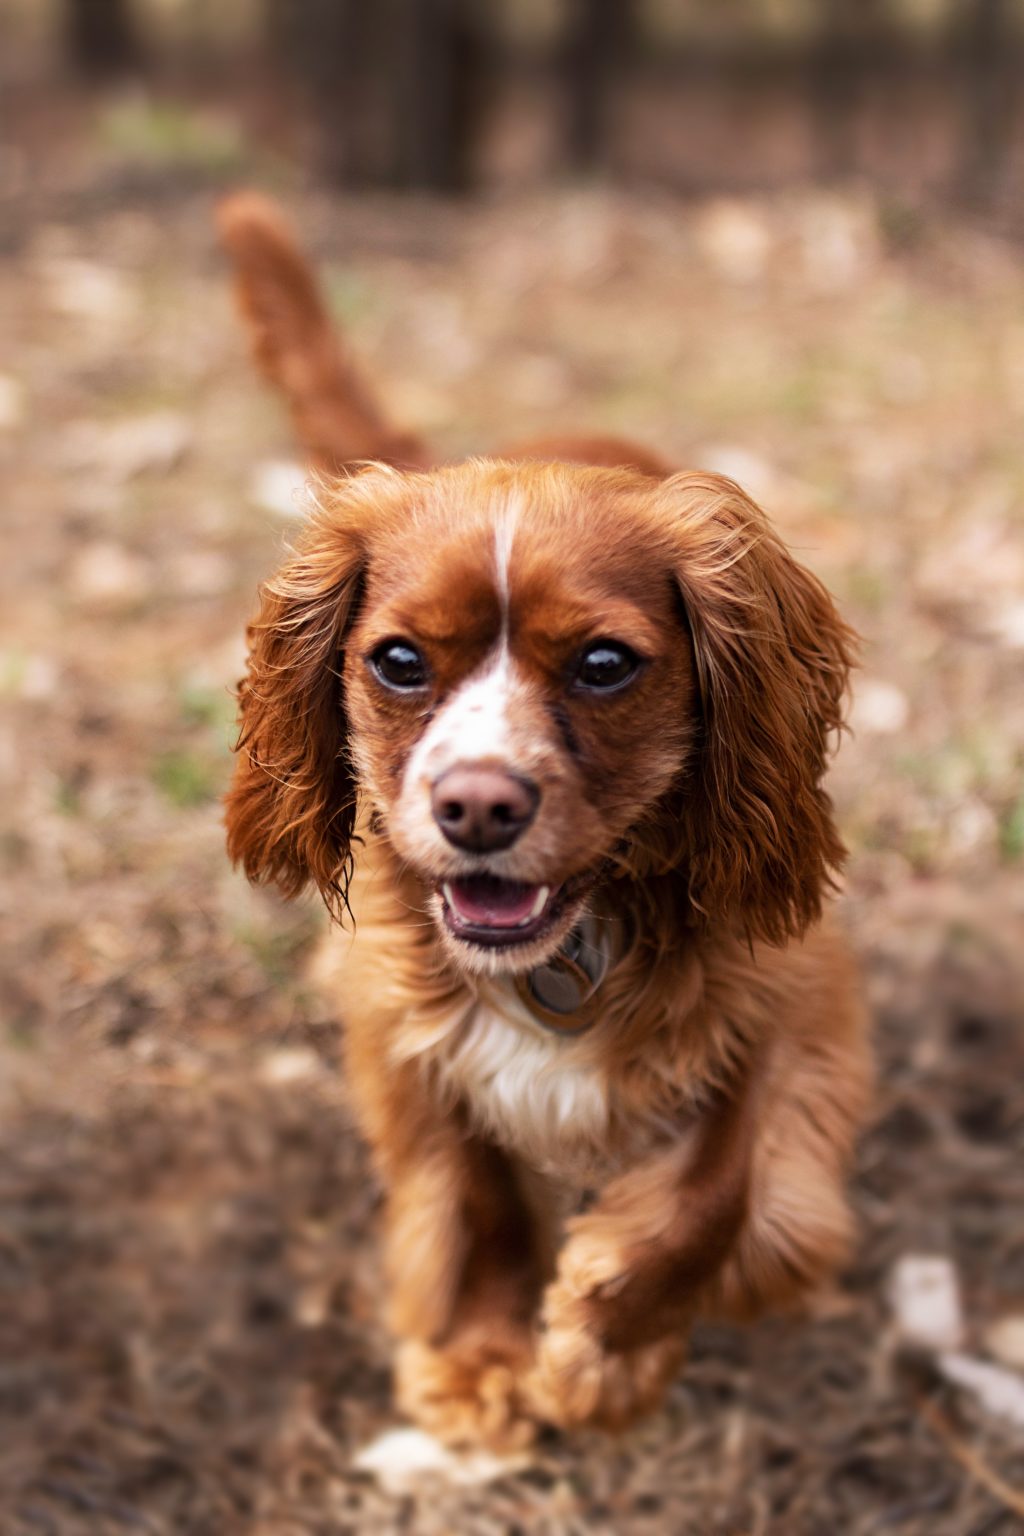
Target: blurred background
(779,238)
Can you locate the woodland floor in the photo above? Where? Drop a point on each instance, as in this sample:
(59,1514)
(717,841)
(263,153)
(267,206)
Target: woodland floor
(189,1343)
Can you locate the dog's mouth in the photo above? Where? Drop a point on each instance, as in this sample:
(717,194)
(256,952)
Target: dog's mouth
(497,913)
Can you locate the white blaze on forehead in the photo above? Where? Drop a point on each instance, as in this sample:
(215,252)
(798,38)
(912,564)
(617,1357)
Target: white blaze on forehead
(472,725)
(504,533)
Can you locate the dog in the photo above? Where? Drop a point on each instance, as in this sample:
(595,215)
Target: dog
(551,727)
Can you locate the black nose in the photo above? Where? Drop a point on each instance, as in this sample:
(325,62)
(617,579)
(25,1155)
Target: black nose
(481,808)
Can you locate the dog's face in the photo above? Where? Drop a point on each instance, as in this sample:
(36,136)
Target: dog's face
(529,673)
(520,694)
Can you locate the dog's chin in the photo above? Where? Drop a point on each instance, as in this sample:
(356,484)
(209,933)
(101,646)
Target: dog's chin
(496,927)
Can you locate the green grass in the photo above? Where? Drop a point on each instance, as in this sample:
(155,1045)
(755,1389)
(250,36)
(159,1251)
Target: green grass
(13,666)
(350,296)
(188,778)
(277,948)
(867,586)
(165,134)
(978,760)
(193,775)
(1011,832)
(214,708)
(902,225)
(68,796)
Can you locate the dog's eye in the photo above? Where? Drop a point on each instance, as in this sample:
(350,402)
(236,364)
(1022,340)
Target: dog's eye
(606,665)
(399,664)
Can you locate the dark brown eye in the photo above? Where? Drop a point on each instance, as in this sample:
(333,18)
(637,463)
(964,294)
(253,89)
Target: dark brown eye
(606,665)
(399,665)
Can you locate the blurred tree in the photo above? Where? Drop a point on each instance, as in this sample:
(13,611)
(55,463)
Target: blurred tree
(991,69)
(397,87)
(598,41)
(440,94)
(848,41)
(101,37)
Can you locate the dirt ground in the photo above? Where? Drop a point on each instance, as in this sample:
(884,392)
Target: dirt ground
(189,1340)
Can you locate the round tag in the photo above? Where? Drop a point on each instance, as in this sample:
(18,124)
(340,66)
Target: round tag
(561,993)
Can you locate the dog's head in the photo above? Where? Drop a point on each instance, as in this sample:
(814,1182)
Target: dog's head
(533,675)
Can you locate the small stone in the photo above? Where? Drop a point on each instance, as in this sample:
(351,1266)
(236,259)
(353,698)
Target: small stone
(1007,626)
(152,444)
(313,1305)
(735,239)
(999,1392)
(750,471)
(1004,1340)
(124,450)
(972,826)
(290,1064)
(12,403)
(280,486)
(879,708)
(39,678)
(28,676)
(201,573)
(837,241)
(925,1298)
(86,290)
(106,575)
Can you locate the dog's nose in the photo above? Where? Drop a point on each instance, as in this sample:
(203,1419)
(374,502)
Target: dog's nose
(483,808)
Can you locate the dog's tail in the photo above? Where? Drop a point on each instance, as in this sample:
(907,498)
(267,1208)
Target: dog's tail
(336,417)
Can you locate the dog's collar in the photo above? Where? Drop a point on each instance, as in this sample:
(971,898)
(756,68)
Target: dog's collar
(562,993)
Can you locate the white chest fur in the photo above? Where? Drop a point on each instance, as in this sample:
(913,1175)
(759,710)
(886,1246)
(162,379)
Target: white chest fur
(535,1093)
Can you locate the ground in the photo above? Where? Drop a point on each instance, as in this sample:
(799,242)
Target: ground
(189,1333)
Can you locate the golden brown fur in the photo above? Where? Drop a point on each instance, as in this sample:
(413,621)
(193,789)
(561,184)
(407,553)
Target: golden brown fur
(709,1114)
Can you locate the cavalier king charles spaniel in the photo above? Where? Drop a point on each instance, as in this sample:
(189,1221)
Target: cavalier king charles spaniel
(550,728)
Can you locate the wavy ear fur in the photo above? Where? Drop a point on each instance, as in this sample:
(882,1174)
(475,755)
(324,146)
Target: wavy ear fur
(291,807)
(773,660)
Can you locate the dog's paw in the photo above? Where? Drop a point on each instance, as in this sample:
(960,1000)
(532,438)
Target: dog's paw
(467,1397)
(626,1292)
(578,1379)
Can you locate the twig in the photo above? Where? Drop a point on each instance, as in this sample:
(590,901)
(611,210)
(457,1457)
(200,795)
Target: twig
(1010,1497)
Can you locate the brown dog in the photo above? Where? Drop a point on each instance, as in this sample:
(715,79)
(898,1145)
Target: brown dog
(553,725)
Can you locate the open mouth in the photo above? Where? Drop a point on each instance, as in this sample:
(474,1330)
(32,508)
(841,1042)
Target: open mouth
(485,909)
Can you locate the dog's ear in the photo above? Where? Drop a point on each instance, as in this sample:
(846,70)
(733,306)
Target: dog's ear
(291,807)
(772,659)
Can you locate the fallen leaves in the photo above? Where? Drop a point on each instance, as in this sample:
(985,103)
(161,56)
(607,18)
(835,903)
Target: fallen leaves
(179,1185)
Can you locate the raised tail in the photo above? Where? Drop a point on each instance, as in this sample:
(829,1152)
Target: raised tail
(336,416)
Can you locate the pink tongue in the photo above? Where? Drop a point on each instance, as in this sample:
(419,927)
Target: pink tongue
(491,902)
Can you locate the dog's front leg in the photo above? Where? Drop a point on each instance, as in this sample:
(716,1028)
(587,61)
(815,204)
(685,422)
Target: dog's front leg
(464,1263)
(460,1368)
(629,1278)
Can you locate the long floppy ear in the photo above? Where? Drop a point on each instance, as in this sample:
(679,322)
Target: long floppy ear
(291,807)
(773,660)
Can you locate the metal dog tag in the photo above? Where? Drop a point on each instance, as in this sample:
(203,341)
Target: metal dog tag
(561,993)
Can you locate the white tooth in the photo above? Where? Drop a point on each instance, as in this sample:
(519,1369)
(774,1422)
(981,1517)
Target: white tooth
(540,902)
(446,892)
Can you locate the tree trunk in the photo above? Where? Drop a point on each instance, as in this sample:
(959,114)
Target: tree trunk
(100,37)
(836,65)
(990,98)
(440,94)
(397,87)
(600,33)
